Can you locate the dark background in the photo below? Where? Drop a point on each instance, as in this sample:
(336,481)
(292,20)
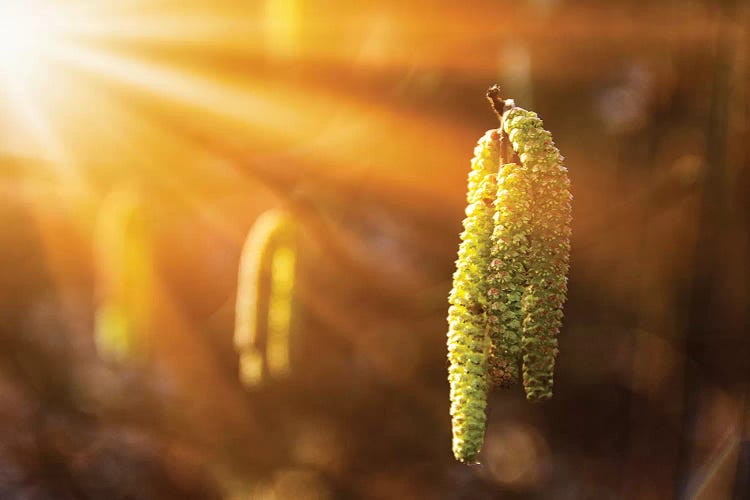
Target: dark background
(361,120)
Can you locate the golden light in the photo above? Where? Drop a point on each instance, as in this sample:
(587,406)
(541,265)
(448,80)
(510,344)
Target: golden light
(28,35)
(100,84)
(23,36)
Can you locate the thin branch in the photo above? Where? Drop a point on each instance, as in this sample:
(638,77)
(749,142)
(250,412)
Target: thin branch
(501,106)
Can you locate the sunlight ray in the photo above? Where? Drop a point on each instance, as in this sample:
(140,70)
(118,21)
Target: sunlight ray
(182,88)
(725,452)
(279,111)
(31,116)
(299,121)
(148,152)
(200,30)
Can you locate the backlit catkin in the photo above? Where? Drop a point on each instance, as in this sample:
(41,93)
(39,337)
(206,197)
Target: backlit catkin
(124,278)
(511,274)
(468,335)
(549,252)
(507,272)
(263,314)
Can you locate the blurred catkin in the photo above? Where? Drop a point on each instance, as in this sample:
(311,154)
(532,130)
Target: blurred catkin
(124,278)
(264,308)
(468,335)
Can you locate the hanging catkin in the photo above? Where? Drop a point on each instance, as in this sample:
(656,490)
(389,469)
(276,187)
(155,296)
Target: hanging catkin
(511,274)
(264,306)
(468,335)
(549,252)
(507,272)
(125,278)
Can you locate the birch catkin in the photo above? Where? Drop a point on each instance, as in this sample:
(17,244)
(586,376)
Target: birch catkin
(507,272)
(468,335)
(511,274)
(125,278)
(264,305)
(549,252)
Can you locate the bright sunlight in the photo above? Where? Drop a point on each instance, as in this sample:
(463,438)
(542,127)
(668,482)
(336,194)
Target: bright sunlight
(23,37)
(285,249)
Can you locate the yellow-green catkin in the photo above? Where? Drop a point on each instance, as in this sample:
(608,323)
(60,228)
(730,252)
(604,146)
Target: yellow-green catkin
(265,296)
(507,272)
(468,335)
(124,278)
(549,248)
(280,308)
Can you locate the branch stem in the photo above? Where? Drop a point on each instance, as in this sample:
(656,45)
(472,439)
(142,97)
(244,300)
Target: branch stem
(501,106)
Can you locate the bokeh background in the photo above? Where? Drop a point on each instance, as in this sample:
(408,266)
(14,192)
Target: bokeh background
(360,119)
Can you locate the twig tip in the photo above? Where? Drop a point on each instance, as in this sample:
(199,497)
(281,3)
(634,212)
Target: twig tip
(499,105)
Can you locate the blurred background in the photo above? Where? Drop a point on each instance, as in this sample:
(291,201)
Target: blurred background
(140,140)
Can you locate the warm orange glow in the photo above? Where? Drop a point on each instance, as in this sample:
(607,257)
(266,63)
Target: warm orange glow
(140,140)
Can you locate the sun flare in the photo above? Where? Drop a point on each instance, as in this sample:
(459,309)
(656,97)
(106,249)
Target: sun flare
(107,85)
(65,66)
(23,37)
